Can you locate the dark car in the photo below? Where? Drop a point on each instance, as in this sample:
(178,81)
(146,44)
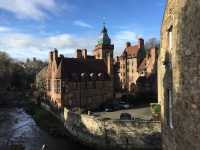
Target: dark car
(125,116)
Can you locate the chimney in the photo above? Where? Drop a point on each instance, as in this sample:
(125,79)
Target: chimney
(50,57)
(55,54)
(128,44)
(78,53)
(84,53)
(34,59)
(61,57)
(141,43)
(117,58)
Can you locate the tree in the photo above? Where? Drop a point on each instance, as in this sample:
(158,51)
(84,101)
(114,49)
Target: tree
(5,70)
(152,42)
(16,74)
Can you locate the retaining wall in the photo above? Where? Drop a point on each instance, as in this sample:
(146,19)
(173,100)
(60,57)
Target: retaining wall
(109,134)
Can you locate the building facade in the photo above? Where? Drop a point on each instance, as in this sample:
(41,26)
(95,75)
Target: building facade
(178,75)
(85,81)
(137,64)
(129,61)
(146,83)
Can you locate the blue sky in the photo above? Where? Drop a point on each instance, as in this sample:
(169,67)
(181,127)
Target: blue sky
(31,28)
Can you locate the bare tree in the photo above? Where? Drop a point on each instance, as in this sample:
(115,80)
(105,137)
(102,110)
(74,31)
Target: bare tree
(152,42)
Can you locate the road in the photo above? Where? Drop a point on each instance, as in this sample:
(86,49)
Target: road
(143,113)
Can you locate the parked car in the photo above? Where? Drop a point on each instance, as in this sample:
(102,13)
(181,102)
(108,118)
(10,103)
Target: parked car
(122,102)
(126,106)
(108,109)
(125,116)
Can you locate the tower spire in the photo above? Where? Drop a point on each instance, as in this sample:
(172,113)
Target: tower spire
(104,38)
(104,21)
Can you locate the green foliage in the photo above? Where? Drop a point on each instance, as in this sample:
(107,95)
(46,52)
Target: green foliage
(45,119)
(155,108)
(16,74)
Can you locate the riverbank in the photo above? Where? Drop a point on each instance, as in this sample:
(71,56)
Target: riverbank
(19,130)
(23,120)
(25,100)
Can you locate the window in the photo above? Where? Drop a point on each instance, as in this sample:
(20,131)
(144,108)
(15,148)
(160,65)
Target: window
(48,85)
(169,94)
(169,108)
(170,37)
(57,85)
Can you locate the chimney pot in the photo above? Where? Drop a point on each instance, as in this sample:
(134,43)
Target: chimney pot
(128,44)
(141,43)
(78,53)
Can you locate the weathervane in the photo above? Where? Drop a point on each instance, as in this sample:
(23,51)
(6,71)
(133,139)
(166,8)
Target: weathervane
(104,21)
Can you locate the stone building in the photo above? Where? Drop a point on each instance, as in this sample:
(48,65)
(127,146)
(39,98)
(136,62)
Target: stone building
(129,61)
(179,75)
(85,81)
(137,65)
(146,83)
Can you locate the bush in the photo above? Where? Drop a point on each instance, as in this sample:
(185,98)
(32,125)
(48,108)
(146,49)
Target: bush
(155,108)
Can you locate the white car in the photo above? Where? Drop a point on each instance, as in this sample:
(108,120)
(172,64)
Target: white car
(126,106)
(108,109)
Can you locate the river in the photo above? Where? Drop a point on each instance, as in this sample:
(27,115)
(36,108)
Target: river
(17,127)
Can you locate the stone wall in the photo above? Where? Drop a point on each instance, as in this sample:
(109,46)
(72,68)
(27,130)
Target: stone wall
(183,131)
(109,134)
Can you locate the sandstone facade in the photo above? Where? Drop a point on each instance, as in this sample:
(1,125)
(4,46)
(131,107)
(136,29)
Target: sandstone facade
(178,75)
(129,61)
(137,64)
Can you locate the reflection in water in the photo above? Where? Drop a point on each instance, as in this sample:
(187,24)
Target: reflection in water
(18,127)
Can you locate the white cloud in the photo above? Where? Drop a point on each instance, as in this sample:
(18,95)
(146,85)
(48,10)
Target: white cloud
(120,39)
(82,24)
(34,9)
(22,45)
(5,29)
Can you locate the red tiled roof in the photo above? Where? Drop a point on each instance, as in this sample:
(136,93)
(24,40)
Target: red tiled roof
(132,50)
(75,66)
